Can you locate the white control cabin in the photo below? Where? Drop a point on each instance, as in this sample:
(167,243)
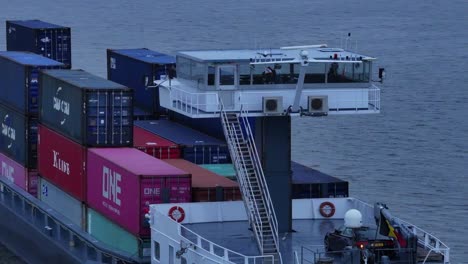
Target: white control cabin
(300,80)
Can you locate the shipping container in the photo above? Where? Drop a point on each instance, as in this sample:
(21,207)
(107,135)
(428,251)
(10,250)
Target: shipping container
(123,182)
(209,126)
(310,183)
(63,203)
(226,170)
(115,236)
(46,39)
(196,147)
(138,69)
(18,139)
(208,186)
(26,179)
(154,145)
(139,114)
(19,79)
(88,109)
(62,162)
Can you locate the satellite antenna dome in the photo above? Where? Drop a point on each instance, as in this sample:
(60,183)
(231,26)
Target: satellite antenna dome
(353,219)
(304,53)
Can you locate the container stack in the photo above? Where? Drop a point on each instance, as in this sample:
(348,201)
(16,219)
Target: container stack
(19,88)
(46,39)
(309,183)
(141,69)
(195,146)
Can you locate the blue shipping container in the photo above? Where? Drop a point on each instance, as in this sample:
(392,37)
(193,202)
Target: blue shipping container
(137,69)
(197,147)
(310,183)
(88,109)
(19,74)
(18,138)
(209,126)
(49,40)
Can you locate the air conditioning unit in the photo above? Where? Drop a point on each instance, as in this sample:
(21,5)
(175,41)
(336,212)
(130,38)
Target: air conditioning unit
(273,105)
(318,105)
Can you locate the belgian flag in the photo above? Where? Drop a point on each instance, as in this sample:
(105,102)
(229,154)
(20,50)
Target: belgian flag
(387,229)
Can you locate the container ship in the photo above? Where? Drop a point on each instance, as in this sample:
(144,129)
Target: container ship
(185,158)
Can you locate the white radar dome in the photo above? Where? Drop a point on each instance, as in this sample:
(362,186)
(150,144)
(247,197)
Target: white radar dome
(353,218)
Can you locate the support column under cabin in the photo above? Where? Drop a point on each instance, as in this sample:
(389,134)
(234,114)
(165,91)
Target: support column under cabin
(273,139)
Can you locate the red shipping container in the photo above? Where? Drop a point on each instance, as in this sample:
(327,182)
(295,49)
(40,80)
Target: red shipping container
(62,162)
(23,177)
(125,181)
(154,145)
(208,186)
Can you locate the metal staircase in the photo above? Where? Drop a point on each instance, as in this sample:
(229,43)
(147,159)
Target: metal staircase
(252,183)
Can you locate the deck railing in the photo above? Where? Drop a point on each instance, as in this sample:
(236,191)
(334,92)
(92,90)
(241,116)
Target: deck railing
(200,246)
(75,242)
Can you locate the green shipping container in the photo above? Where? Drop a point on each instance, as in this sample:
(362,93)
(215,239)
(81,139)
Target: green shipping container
(115,236)
(226,170)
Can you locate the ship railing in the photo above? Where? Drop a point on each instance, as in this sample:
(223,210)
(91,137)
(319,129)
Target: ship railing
(194,103)
(201,246)
(244,181)
(46,221)
(425,239)
(262,181)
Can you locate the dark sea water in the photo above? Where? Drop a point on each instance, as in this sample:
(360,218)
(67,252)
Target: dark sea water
(413,156)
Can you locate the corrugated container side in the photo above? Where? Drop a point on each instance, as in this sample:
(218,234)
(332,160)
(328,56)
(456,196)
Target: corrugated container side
(209,126)
(197,147)
(226,170)
(62,162)
(25,178)
(48,40)
(310,183)
(63,203)
(19,74)
(76,104)
(139,114)
(125,181)
(154,145)
(206,185)
(138,75)
(115,236)
(18,138)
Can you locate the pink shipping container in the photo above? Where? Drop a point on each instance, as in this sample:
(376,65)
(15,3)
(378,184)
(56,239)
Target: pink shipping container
(154,145)
(25,178)
(62,162)
(123,182)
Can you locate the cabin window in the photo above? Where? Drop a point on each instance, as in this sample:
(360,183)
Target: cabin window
(197,72)
(157,250)
(183,68)
(257,74)
(348,72)
(315,73)
(227,75)
(211,75)
(244,74)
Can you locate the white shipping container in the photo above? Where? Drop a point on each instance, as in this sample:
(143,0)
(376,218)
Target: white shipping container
(63,203)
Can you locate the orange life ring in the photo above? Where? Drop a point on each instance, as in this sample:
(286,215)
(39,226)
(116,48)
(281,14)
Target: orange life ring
(327,209)
(177,213)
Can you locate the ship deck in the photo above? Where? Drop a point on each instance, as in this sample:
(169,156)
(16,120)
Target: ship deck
(237,237)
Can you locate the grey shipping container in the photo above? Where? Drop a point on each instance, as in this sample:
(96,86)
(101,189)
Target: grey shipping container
(19,74)
(310,183)
(63,203)
(88,109)
(49,40)
(18,138)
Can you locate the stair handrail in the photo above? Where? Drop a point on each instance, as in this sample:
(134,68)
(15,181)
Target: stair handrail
(262,181)
(253,213)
